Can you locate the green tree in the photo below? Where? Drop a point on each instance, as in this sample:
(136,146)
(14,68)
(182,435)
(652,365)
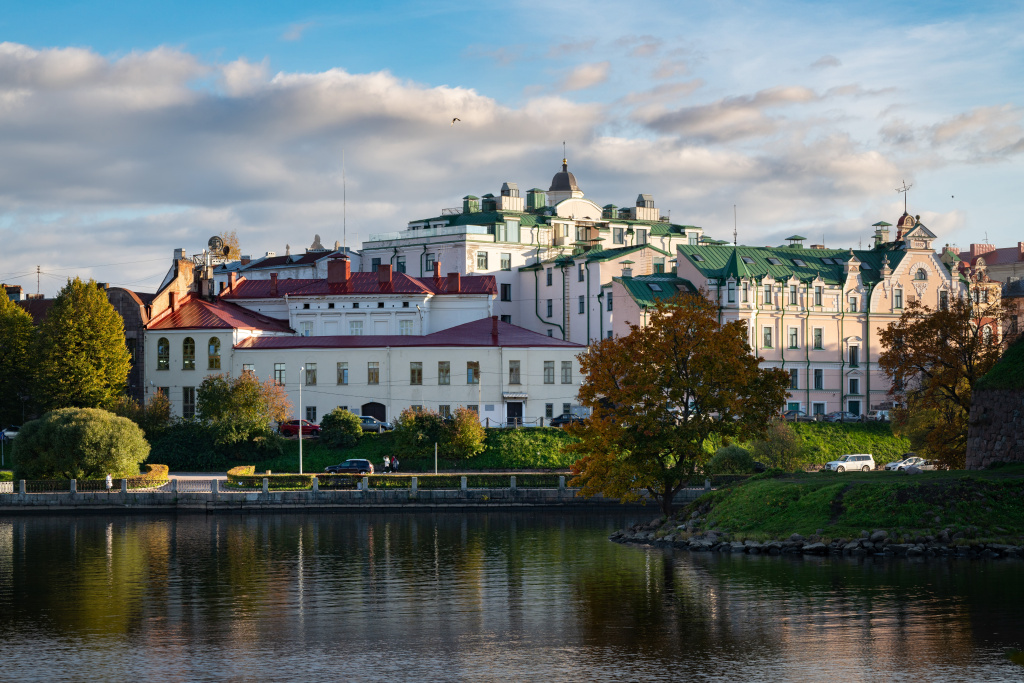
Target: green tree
(241,410)
(780,447)
(658,394)
(82,360)
(464,435)
(731,459)
(416,432)
(340,428)
(16,339)
(79,443)
(154,417)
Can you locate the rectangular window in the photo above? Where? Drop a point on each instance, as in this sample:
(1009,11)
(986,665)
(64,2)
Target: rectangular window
(429,262)
(310,374)
(731,291)
(792,295)
(188,402)
(513,372)
(819,409)
(852,305)
(818,334)
(746,293)
(506,292)
(166,391)
(767,338)
(311,414)
(691,238)
(248,367)
(819,380)
(659,265)
(897,298)
(549,372)
(854,386)
(416,372)
(374,265)
(307,329)
(550,307)
(566,372)
(405,328)
(473,372)
(794,379)
(854,356)
(548,277)
(817,295)
(373,373)
(506,319)
(609,334)
(609,299)
(617,236)
(355,304)
(641,237)
(583,305)
(279,374)
(473,407)
(444,372)
(342,373)
(566,408)
(400,264)
(355,328)
(506,261)
(581,271)
(444,411)
(943,300)
(549,410)
(481,260)
(551,333)
(794,338)
(767,295)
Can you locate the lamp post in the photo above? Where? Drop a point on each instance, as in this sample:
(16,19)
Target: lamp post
(302,371)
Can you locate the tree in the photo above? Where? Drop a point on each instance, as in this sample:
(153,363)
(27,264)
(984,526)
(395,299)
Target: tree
(231,242)
(416,432)
(340,428)
(153,417)
(82,360)
(79,443)
(934,359)
(779,448)
(16,339)
(659,393)
(241,410)
(463,434)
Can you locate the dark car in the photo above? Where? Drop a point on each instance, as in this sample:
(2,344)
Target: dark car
(372,424)
(291,428)
(795,415)
(351,467)
(9,433)
(565,419)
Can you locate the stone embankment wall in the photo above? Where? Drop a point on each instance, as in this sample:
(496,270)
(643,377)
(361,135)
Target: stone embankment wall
(996,429)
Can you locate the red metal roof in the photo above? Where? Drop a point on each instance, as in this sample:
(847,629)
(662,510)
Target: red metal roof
(476,333)
(360,283)
(196,313)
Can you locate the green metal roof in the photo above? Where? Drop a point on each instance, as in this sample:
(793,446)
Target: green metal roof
(648,290)
(723,262)
(594,255)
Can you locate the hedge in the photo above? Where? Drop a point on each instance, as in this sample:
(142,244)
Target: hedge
(244,476)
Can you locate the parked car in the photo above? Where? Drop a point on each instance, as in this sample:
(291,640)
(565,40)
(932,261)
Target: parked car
(372,424)
(565,419)
(10,432)
(795,415)
(841,416)
(878,415)
(858,461)
(355,466)
(291,428)
(901,464)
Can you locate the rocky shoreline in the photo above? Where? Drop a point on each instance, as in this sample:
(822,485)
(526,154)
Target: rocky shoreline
(878,542)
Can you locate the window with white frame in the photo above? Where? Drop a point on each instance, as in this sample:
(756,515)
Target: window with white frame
(818,295)
(766,338)
(306,328)
(731,292)
(897,298)
(794,338)
(819,334)
(549,372)
(355,328)
(794,379)
(444,372)
(342,373)
(405,328)
(513,372)
(566,372)
(310,374)
(188,402)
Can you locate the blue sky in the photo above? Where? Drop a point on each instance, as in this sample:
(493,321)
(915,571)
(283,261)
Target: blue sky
(136,128)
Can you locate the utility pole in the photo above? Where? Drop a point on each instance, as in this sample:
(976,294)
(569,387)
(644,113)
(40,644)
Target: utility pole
(37,280)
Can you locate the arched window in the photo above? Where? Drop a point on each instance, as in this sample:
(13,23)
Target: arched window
(922,274)
(214,353)
(163,354)
(188,354)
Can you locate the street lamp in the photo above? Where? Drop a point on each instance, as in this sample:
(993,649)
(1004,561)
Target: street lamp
(302,371)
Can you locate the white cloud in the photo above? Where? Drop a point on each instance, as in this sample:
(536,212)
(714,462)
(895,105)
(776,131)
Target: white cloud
(586,76)
(294,32)
(826,62)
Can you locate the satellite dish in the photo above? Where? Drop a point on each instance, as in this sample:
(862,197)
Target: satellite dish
(216,244)
(226,250)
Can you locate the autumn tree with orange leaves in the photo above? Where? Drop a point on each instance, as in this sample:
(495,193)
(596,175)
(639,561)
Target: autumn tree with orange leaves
(658,394)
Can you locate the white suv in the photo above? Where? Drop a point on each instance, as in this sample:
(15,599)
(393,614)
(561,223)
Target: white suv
(860,461)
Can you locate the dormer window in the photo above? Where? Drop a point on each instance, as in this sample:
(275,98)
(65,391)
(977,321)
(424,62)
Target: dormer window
(654,287)
(747,260)
(697,257)
(798,262)
(829,261)
(865,266)
(775,261)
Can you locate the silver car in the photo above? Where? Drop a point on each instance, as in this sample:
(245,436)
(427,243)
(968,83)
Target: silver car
(372,424)
(901,464)
(852,463)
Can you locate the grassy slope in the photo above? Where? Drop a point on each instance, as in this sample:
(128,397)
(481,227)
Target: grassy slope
(980,503)
(824,441)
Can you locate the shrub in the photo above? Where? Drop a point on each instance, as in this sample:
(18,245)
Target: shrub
(340,428)
(152,475)
(153,417)
(464,435)
(244,476)
(779,448)
(416,432)
(188,445)
(79,443)
(240,411)
(731,460)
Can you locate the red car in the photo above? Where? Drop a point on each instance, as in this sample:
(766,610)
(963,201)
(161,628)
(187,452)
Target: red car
(291,428)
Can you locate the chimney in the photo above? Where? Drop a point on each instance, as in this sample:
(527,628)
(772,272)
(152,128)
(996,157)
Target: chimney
(1020,251)
(173,299)
(273,284)
(437,270)
(179,254)
(232,279)
(384,274)
(246,258)
(339,269)
(454,283)
(494,329)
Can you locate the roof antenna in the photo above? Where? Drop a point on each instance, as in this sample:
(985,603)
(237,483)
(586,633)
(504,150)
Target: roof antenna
(344,207)
(734,239)
(904,190)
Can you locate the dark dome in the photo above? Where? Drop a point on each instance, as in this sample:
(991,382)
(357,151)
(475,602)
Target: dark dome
(564,181)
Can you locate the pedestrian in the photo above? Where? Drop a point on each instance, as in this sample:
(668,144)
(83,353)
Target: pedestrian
(394,463)
(387,464)
(110,483)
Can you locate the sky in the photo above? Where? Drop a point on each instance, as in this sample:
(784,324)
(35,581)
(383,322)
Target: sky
(130,129)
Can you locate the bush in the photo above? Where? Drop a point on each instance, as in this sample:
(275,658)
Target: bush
(152,475)
(244,476)
(340,428)
(416,432)
(780,448)
(188,445)
(79,443)
(464,434)
(153,417)
(240,412)
(731,460)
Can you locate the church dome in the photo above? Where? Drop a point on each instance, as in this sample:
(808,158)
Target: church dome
(564,181)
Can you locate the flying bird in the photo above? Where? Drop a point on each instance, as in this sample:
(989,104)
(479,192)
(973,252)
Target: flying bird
(455,119)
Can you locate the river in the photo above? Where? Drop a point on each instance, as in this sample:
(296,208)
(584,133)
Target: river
(476,597)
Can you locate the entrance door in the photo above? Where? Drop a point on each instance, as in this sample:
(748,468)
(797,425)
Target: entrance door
(376,410)
(855,407)
(514,412)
